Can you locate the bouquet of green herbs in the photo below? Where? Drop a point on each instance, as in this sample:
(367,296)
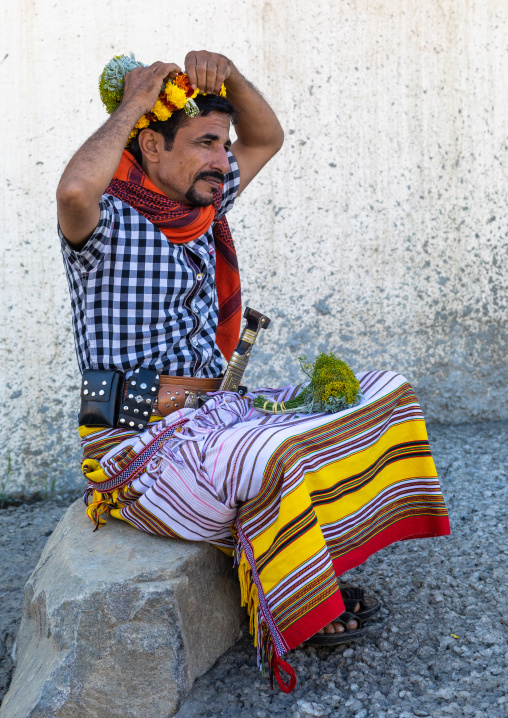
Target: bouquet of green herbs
(332,387)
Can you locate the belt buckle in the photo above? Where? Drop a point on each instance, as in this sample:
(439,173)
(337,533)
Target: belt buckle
(192,401)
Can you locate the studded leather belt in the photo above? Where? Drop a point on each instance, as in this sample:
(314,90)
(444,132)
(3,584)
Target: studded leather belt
(173,391)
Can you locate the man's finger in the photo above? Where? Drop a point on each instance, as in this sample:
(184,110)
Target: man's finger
(222,74)
(190,69)
(165,69)
(211,77)
(201,75)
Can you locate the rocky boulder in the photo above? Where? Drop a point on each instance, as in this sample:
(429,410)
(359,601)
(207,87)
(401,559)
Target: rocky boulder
(119,623)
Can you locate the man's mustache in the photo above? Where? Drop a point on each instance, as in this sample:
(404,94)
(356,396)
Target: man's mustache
(210,175)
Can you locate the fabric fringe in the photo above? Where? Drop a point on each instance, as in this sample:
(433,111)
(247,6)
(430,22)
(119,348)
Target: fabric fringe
(98,503)
(263,641)
(249,597)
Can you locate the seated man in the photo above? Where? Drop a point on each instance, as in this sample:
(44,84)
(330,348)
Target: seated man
(155,296)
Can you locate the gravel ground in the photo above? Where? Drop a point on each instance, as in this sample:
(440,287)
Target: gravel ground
(437,648)
(24,530)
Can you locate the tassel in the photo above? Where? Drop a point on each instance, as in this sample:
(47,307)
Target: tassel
(102,503)
(277,664)
(267,652)
(263,640)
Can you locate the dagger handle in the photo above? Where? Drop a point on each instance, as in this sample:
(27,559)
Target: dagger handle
(240,357)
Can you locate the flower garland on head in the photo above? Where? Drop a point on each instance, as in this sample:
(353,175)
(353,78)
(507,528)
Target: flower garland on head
(176,94)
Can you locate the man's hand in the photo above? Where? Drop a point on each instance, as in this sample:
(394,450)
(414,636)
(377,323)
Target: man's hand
(207,70)
(90,170)
(143,84)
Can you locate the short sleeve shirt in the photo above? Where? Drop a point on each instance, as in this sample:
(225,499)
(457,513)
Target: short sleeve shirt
(140,301)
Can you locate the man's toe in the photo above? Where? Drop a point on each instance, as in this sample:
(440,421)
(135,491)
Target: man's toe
(338,627)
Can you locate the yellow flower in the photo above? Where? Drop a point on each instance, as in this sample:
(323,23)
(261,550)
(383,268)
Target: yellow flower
(142,122)
(176,95)
(140,125)
(222,92)
(160,111)
(344,388)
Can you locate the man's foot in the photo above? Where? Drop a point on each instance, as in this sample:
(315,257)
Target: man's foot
(335,627)
(343,629)
(351,595)
(355,602)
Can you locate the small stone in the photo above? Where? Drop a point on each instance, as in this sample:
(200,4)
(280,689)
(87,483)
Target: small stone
(489,637)
(306,709)
(445,693)
(354,704)
(436,597)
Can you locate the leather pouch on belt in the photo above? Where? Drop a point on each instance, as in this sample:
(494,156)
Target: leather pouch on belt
(101,393)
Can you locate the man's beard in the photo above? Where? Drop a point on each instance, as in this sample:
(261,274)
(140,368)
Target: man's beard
(196,199)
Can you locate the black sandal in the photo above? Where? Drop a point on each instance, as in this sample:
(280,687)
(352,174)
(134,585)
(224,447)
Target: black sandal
(351,595)
(346,636)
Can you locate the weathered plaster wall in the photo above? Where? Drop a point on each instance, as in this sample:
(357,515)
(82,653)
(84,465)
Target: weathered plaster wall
(378,231)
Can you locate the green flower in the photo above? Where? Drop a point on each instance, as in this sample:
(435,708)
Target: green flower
(331,377)
(333,387)
(111,81)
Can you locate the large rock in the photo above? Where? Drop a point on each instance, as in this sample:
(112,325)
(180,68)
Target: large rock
(119,623)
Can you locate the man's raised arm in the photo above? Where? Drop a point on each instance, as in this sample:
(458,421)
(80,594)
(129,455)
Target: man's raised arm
(259,133)
(90,170)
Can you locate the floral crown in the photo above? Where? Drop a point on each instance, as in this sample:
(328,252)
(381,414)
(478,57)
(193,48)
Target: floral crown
(176,94)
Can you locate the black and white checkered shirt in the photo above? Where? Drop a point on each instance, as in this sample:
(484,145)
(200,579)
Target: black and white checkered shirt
(140,301)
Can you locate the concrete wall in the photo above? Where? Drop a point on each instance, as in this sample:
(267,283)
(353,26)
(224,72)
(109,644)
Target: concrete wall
(378,231)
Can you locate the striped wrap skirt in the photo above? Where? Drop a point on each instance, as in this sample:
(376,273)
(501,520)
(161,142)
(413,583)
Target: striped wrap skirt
(297,499)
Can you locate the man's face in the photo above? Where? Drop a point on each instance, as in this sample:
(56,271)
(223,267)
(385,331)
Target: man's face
(193,170)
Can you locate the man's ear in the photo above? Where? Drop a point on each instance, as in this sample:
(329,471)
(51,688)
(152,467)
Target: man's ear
(151,144)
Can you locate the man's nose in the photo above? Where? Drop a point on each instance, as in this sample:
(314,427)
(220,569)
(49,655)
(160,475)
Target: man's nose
(220,160)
